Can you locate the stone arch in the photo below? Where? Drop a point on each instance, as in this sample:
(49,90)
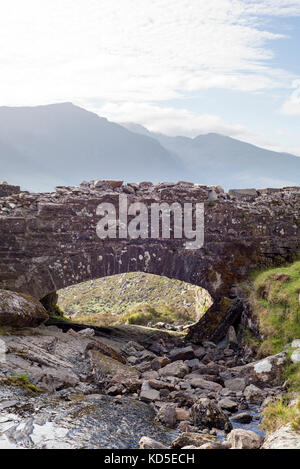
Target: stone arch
(48,241)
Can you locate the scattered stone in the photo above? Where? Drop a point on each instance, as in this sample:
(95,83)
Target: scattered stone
(198,382)
(177,368)
(186,353)
(167,416)
(149,394)
(193,364)
(159,362)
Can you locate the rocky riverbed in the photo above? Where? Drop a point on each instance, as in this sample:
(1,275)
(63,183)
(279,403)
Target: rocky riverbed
(130,387)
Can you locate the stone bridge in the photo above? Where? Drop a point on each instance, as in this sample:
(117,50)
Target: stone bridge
(48,240)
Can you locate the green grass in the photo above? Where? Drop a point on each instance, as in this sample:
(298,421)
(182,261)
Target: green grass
(24,382)
(134,297)
(275,302)
(279,413)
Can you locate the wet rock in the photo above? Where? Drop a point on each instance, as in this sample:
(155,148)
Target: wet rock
(244,439)
(228,404)
(206,414)
(18,310)
(243,418)
(177,368)
(149,443)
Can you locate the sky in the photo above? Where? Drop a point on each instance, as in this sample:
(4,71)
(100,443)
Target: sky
(180,67)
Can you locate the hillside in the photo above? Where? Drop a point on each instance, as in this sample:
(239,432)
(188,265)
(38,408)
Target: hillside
(113,299)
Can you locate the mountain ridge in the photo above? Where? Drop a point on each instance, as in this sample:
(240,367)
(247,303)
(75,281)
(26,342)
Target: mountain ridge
(63,144)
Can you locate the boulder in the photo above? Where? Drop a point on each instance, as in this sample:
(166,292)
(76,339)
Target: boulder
(243,418)
(18,310)
(192,439)
(206,414)
(266,372)
(244,439)
(283,438)
(148,443)
(228,404)
(177,368)
(253,394)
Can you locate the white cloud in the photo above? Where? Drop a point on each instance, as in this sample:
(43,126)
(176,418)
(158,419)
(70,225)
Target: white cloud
(167,120)
(135,50)
(292,104)
(173,122)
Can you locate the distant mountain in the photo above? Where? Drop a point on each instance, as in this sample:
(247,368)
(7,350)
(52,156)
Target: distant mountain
(217,159)
(45,146)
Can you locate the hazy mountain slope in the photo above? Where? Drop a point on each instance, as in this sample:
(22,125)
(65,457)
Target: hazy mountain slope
(217,159)
(68,144)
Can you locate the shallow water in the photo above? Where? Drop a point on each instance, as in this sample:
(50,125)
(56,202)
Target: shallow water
(254,425)
(95,421)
